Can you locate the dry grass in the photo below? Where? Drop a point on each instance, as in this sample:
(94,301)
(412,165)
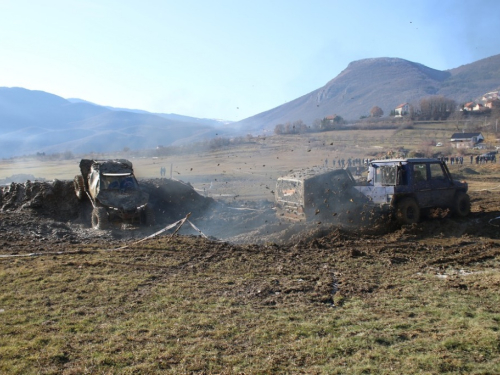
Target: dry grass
(191,307)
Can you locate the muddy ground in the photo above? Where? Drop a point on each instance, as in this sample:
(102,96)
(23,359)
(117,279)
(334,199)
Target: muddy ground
(46,217)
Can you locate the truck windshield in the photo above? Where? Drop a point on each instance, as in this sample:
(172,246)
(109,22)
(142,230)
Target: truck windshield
(119,183)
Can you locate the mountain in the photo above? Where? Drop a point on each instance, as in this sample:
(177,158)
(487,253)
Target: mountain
(170,116)
(36,121)
(384,82)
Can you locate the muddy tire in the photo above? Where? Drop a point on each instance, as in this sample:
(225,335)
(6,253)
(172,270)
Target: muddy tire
(148,216)
(461,206)
(79,187)
(407,211)
(100,218)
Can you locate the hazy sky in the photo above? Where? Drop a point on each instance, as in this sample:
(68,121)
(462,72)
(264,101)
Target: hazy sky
(226,59)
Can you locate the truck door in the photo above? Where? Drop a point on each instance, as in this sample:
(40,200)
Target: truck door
(442,186)
(422,185)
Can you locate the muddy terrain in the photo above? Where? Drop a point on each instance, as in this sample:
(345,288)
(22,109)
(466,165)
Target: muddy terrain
(359,293)
(46,216)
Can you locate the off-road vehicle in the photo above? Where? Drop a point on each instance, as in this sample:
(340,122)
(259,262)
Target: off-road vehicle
(114,192)
(316,194)
(403,187)
(409,186)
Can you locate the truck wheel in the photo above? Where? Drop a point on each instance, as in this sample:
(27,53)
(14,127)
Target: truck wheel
(79,187)
(462,204)
(148,216)
(408,211)
(100,218)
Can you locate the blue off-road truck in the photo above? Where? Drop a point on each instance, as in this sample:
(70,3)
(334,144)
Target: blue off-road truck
(409,186)
(405,187)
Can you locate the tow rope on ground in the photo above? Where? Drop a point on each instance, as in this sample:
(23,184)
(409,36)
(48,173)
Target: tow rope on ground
(495,188)
(495,218)
(196,229)
(178,223)
(39,254)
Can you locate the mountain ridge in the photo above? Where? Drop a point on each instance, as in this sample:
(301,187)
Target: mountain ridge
(35,121)
(385,82)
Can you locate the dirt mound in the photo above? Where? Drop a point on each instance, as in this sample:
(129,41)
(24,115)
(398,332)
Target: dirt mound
(55,199)
(469,171)
(242,222)
(174,199)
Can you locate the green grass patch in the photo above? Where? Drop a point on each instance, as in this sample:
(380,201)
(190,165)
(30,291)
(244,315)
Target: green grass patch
(187,312)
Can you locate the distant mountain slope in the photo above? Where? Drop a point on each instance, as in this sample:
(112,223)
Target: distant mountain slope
(384,82)
(170,116)
(471,81)
(36,121)
(20,108)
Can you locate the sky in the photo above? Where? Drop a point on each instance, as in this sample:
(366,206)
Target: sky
(226,59)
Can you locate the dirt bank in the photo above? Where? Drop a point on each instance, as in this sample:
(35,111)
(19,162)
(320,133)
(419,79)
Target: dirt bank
(52,207)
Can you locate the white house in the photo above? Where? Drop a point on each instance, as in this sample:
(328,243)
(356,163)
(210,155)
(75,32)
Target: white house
(468,106)
(402,110)
(466,140)
(490,96)
(493,103)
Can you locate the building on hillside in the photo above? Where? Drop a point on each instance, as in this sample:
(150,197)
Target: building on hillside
(333,119)
(492,103)
(490,96)
(466,140)
(402,110)
(468,106)
(478,107)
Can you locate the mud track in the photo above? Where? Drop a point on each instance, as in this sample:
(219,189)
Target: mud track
(309,263)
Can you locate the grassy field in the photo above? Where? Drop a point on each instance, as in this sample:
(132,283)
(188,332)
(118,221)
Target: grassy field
(185,306)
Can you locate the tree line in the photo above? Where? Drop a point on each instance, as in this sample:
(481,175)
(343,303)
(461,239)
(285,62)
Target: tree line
(431,108)
(319,125)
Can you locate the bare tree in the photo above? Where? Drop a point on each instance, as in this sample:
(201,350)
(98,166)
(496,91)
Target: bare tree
(279,129)
(436,108)
(376,112)
(316,125)
(300,127)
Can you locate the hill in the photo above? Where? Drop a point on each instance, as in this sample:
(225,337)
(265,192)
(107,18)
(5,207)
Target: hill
(36,121)
(383,82)
(170,116)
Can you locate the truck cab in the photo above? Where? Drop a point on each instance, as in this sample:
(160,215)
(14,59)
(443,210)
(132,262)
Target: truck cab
(407,186)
